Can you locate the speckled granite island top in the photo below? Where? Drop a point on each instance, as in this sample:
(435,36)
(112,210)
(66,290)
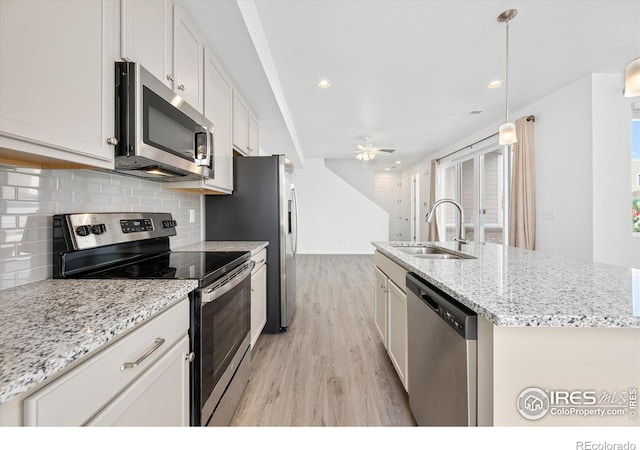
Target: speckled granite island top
(225,246)
(515,287)
(48,325)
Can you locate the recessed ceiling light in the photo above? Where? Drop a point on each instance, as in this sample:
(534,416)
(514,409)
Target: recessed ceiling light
(494,84)
(387,168)
(398,162)
(323,84)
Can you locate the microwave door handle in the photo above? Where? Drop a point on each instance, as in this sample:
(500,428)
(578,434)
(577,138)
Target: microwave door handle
(198,143)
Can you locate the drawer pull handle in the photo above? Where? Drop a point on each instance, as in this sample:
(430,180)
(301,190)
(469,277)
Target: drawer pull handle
(130,365)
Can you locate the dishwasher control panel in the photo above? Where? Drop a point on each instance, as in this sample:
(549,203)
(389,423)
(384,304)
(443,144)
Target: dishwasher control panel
(459,317)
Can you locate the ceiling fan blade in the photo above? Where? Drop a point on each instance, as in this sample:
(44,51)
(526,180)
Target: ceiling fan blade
(387,150)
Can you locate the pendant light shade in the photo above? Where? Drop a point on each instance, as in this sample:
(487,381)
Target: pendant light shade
(632,79)
(507,131)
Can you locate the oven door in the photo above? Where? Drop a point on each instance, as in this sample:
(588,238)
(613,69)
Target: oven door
(225,321)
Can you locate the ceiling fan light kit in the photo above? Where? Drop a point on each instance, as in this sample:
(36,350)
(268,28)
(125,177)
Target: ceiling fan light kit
(507,131)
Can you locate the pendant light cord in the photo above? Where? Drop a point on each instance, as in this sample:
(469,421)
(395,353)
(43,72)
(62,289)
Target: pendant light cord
(506,78)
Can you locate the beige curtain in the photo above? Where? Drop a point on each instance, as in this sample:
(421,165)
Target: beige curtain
(522,229)
(434,235)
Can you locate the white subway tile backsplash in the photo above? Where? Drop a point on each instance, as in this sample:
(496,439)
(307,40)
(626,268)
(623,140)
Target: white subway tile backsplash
(29,198)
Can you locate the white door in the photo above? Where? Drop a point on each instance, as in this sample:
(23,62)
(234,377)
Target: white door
(404,216)
(386,196)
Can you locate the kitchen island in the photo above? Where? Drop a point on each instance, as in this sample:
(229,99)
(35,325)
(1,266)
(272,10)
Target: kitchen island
(569,328)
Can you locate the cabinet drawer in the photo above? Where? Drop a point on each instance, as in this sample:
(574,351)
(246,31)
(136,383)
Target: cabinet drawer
(394,271)
(75,397)
(260,259)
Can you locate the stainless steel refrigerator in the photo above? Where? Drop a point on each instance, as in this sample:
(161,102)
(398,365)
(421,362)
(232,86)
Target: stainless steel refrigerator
(263,207)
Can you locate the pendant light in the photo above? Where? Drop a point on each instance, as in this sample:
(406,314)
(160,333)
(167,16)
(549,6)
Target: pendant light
(507,131)
(632,79)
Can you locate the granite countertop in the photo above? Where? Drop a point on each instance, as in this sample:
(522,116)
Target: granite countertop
(516,287)
(225,246)
(48,325)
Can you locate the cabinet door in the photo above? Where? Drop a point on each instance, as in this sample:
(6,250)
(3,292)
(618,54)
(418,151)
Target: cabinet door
(258,303)
(188,61)
(159,397)
(218,108)
(253,136)
(57,79)
(146,32)
(240,125)
(380,304)
(397,338)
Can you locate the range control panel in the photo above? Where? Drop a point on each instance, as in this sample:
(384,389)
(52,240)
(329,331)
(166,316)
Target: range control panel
(99,229)
(133,226)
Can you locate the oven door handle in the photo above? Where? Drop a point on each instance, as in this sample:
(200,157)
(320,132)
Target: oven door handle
(228,282)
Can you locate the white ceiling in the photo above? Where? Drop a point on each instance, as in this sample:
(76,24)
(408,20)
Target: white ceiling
(407,73)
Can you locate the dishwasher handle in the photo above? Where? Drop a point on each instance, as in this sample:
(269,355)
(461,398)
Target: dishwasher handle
(429,301)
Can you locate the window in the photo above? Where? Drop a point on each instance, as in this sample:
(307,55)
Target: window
(476,180)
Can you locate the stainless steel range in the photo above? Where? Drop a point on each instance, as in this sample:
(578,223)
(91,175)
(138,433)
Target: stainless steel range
(136,246)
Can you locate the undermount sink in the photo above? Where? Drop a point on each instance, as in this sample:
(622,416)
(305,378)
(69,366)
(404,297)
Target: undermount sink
(424,252)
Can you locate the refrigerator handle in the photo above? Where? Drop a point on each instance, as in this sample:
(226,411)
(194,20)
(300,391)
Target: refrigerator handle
(295,227)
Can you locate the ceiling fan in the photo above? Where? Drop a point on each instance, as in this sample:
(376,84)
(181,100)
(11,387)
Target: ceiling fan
(366,151)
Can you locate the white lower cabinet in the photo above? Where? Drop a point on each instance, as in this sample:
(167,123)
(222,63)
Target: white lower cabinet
(380,304)
(160,397)
(397,337)
(258,296)
(140,379)
(390,313)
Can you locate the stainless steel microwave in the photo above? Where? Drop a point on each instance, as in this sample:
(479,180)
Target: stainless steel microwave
(159,135)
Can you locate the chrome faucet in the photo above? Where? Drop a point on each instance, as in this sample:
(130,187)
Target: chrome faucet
(431,215)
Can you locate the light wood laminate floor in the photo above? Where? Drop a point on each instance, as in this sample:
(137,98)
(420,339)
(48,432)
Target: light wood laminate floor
(330,368)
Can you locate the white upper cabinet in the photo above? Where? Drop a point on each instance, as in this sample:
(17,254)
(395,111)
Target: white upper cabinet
(57,82)
(146,31)
(218,107)
(188,59)
(156,34)
(240,125)
(253,135)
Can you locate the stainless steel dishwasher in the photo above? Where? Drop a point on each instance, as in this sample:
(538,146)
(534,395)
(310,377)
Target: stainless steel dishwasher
(442,357)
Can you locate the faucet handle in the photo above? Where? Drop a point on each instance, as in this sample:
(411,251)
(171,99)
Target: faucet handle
(462,241)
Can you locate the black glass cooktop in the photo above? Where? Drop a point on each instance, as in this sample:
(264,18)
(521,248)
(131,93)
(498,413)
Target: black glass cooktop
(203,266)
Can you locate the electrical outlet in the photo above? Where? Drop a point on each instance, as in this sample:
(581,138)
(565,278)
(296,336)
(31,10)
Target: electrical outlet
(548,215)
(192,216)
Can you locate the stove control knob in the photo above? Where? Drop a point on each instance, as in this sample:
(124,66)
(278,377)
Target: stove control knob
(169,223)
(83,230)
(99,228)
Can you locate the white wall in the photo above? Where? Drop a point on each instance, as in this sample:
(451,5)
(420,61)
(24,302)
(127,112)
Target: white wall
(335,218)
(563,143)
(30,197)
(358,174)
(612,239)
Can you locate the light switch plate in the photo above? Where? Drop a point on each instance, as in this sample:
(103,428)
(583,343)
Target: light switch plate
(192,216)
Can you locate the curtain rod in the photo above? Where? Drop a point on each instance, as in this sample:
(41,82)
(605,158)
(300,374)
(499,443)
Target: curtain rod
(530,118)
(467,146)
